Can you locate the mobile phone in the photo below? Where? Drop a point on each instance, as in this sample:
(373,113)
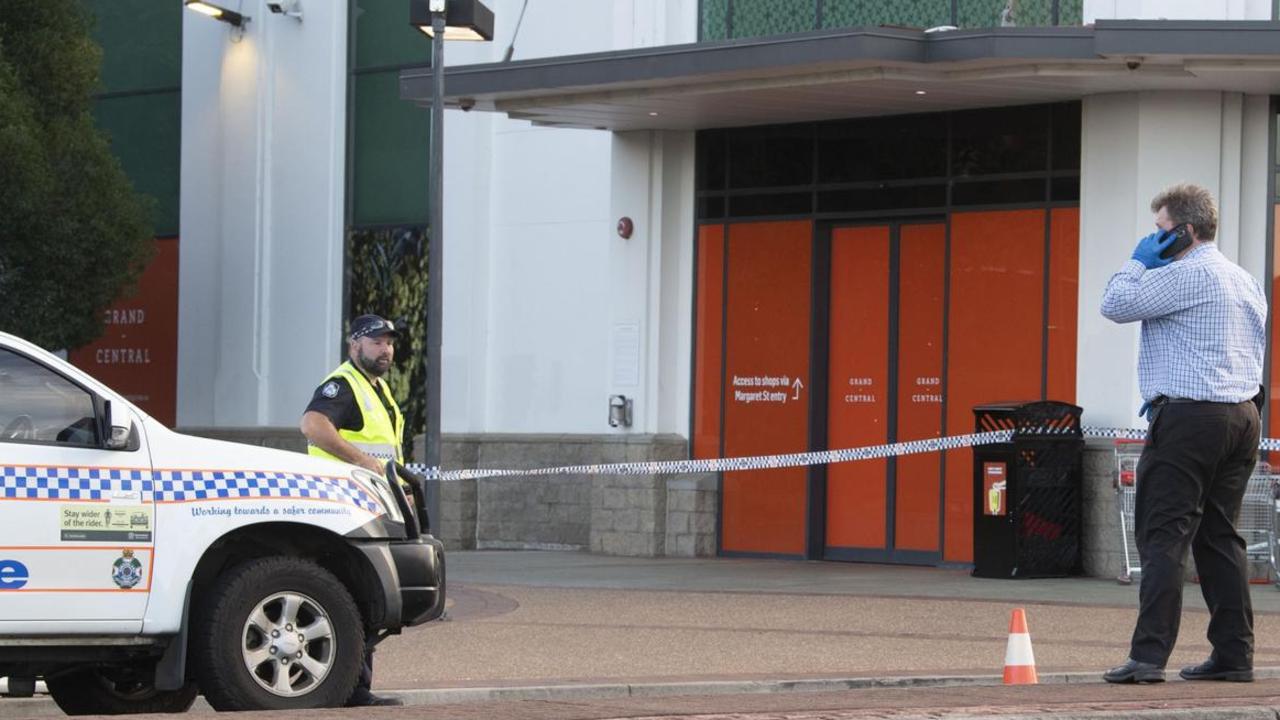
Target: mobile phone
(1182,241)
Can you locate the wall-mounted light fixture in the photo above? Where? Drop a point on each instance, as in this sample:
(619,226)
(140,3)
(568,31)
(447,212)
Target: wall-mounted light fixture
(230,17)
(463,19)
(619,411)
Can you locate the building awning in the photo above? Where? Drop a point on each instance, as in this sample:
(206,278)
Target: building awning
(862,72)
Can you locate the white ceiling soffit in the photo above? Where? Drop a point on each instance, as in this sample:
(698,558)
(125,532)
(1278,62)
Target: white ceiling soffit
(859,73)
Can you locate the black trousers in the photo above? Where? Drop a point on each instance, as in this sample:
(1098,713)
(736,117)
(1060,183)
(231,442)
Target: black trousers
(1191,479)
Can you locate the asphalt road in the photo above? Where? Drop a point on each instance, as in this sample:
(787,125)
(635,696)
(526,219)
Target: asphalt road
(582,637)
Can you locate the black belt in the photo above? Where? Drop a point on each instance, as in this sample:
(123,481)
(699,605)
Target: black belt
(1162,400)
(1145,411)
(1149,406)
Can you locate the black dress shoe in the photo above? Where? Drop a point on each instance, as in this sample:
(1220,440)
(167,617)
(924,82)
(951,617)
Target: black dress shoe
(368,699)
(1133,671)
(1213,670)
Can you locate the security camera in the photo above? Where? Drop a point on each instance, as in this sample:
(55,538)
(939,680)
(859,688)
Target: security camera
(466,103)
(288,8)
(1133,63)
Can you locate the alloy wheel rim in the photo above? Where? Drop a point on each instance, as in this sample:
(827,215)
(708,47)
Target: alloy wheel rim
(288,644)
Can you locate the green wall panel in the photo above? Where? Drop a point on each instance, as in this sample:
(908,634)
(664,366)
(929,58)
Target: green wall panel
(145,132)
(715,19)
(391,147)
(384,37)
(872,13)
(979,13)
(1071,12)
(1033,13)
(753,18)
(1025,13)
(141,43)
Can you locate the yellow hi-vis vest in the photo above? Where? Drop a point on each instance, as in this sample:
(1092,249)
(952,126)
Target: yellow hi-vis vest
(380,435)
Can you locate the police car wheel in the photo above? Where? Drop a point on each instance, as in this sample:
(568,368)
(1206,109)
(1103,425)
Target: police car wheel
(276,634)
(115,691)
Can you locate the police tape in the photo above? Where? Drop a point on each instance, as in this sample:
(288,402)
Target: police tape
(1265,444)
(789,460)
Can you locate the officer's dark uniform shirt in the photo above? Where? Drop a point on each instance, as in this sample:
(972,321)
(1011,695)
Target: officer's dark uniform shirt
(337,401)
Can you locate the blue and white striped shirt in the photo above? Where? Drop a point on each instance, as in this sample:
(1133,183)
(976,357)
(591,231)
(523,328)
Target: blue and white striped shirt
(1203,326)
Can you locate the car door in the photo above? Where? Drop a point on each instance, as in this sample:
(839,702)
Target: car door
(76,519)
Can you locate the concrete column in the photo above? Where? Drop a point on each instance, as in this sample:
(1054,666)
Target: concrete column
(1135,145)
(651,273)
(261,213)
(1177,10)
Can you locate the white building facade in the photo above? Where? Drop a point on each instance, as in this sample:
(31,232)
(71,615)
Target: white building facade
(549,311)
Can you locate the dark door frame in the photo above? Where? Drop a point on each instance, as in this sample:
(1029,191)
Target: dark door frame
(819,375)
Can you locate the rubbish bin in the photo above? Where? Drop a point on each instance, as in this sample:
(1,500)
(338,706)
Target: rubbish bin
(1027,491)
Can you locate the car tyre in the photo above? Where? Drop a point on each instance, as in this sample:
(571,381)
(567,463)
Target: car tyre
(277,633)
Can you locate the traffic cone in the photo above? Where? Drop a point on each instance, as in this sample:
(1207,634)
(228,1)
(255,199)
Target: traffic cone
(1019,661)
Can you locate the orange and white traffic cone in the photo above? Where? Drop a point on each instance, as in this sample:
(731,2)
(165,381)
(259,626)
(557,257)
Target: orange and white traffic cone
(1019,661)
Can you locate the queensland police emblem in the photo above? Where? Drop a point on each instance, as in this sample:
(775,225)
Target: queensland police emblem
(330,390)
(126,571)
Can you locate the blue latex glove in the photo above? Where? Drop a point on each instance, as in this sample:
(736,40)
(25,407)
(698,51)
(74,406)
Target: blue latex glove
(1150,247)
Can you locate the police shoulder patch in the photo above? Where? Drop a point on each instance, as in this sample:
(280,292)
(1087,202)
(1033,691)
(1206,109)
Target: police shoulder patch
(330,390)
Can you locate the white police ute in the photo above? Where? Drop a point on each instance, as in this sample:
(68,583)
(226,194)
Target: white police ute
(139,566)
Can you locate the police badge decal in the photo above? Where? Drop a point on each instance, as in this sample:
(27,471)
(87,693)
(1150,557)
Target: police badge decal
(330,390)
(126,571)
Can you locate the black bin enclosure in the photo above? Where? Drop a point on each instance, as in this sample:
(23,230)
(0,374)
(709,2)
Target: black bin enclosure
(1027,491)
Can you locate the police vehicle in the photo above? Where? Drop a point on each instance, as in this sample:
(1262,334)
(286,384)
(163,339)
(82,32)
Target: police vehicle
(139,566)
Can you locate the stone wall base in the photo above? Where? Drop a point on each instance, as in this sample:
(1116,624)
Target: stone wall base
(636,515)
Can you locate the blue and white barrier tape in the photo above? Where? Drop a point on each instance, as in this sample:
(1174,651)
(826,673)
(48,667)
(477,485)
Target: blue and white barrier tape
(769,462)
(758,462)
(1266,444)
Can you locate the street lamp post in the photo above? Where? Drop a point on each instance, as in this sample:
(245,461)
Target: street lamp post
(435,242)
(440,19)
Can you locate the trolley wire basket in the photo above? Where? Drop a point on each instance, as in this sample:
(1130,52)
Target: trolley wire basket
(1258,524)
(1273,526)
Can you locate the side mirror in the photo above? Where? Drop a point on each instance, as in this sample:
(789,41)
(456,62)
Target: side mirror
(117,426)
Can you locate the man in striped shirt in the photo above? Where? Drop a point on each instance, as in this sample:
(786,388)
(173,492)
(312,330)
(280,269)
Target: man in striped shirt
(1199,368)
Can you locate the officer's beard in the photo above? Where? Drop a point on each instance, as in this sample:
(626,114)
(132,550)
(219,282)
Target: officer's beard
(374,367)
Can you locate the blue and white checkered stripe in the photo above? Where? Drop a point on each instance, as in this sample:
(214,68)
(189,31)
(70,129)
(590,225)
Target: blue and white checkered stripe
(768,462)
(214,485)
(19,482)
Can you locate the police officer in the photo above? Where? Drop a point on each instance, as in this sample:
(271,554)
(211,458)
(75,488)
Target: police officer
(353,418)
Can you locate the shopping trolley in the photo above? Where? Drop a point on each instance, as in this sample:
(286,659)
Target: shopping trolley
(1127,454)
(1258,524)
(1273,527)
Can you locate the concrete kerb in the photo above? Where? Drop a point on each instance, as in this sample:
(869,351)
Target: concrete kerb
(42,705)
(1255,712)
(607,691)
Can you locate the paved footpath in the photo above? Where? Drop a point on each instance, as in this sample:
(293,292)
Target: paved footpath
(533,618)
(572,635)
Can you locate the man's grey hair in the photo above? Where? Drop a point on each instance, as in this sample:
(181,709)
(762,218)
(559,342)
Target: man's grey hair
(1190,204)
